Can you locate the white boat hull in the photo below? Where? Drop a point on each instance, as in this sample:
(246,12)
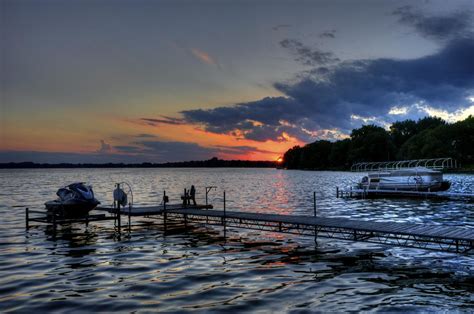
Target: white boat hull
(406,180)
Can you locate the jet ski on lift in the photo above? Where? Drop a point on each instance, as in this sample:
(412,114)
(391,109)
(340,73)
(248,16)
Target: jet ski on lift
(75,200)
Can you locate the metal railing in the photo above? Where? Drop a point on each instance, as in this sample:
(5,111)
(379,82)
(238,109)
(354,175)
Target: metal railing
(433,163)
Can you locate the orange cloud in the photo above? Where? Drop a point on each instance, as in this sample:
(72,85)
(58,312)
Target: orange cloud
(186,132)
(203,56)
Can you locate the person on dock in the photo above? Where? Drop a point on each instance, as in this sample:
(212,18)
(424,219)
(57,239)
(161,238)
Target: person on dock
(192,195)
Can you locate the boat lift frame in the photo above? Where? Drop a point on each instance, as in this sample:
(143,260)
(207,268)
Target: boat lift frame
(433,163)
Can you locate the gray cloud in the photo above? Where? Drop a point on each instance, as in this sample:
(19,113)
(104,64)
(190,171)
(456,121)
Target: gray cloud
(104,147)
(280,26)
(307,55)
(61,157)
(328,34)
(142,151)
(128,149)
(435,27)
(162,120)
(367,88)
(145,135)
(241,149)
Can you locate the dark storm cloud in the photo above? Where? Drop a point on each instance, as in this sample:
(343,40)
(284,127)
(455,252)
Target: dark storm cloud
(269,112)
(436,27)
(308,55)
(367,88)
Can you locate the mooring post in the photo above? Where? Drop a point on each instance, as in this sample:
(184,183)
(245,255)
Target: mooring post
(314,204)
(185,198)
(129,218)
(27,218)
(337,192)
(119,223)
(315,215)
(225,231)
(164,209)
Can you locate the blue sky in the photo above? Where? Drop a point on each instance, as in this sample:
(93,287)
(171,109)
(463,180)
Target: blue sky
(82,80)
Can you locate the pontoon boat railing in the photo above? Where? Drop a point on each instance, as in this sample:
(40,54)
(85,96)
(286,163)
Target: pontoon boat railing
(434,163)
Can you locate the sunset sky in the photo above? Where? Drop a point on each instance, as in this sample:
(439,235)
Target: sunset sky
(134,81)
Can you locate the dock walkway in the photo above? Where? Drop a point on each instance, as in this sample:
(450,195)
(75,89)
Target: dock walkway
(435,237)
(425,236)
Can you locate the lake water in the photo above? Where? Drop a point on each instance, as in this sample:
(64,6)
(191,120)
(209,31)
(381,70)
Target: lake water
(89,269)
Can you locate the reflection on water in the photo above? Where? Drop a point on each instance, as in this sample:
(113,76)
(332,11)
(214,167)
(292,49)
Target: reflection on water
(88,269)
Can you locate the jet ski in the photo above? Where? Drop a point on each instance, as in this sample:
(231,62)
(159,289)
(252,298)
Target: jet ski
(74,201)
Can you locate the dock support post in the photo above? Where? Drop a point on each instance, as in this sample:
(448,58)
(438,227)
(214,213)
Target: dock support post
(315,215)
(27,218)
(314,204)
(129,218)
(337,192)
(225,231)
(165,215)
(119,222)
(185,195)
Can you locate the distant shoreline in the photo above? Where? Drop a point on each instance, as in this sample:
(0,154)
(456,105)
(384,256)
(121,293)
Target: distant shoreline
(224,164)
(212,163)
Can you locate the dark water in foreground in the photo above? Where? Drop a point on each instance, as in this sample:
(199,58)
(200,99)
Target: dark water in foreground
(90,270)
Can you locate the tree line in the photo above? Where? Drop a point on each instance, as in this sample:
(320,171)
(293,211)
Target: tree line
(211,163)
(429,137)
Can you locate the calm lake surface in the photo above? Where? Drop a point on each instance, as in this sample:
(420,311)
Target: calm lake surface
(89,269)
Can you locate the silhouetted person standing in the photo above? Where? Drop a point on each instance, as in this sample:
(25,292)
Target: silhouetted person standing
(192,194)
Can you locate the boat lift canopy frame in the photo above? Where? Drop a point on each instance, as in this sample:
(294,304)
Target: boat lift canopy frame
(434,163)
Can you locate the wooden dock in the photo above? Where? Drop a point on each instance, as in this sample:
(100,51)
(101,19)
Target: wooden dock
(425,236)
(151,210)
(445,238)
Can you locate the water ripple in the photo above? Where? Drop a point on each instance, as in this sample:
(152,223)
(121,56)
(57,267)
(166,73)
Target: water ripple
(89,269)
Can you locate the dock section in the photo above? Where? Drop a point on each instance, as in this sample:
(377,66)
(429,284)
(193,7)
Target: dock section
(444,238)
(425,236)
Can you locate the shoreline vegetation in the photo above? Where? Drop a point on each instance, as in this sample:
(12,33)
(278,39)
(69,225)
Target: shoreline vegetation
(405,140)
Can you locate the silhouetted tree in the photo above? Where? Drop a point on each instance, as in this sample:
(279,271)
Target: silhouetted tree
(426,138)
